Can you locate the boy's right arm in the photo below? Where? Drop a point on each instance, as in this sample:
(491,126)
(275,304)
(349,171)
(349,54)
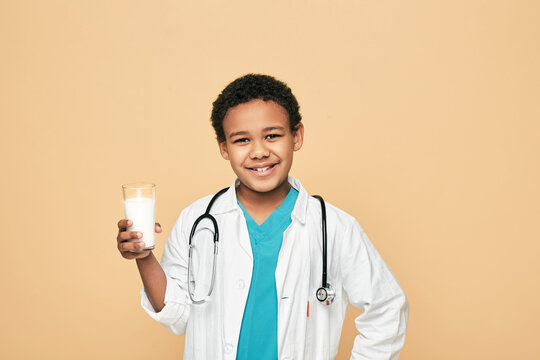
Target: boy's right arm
(152,275)
(164,296)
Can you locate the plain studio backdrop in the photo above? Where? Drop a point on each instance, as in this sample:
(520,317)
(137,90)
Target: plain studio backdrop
(422,121)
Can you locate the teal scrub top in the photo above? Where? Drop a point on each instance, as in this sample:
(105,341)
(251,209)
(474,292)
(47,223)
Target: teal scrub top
(258,334)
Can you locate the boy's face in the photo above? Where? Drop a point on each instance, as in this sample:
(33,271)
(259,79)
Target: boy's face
(259,144)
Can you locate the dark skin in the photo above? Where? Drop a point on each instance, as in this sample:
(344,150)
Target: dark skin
(258,136)
(152,275)
(260,206)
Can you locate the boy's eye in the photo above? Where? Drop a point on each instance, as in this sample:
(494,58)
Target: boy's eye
(272,136)
(242,140)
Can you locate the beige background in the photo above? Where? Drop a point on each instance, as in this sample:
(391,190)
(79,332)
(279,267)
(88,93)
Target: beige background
(422,120)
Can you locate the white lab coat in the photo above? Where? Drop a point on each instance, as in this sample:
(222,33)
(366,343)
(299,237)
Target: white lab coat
(355,270)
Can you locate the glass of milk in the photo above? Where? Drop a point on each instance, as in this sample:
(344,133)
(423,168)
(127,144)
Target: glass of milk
(140,208)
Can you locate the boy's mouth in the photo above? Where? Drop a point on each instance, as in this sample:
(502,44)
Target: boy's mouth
(263,171)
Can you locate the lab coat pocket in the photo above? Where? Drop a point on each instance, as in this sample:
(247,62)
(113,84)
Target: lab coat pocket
(317,330)
(309,337)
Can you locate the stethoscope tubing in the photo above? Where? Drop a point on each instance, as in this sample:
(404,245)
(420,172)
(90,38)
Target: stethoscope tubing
(326,291)
(206,215)
(324,240)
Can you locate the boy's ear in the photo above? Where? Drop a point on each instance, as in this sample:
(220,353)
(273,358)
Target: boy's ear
(223,149)
(298,136)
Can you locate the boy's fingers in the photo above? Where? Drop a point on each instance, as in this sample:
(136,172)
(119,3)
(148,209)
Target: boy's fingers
(158,228)
(133,246)
(124,224)
(128,235)
(127,242)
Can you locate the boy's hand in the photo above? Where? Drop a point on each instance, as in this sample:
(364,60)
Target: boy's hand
(127,242)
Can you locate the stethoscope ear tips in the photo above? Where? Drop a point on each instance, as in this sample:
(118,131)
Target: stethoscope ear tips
(326,294)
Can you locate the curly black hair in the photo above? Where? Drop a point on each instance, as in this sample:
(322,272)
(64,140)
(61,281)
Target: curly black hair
(250,87)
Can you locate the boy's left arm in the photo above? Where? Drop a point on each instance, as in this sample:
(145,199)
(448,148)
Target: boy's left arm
(370,286)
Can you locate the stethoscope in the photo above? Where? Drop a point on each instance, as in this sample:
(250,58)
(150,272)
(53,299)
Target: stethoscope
(325,294)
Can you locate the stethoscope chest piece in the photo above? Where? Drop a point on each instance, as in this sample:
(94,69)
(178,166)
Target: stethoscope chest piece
(326,294)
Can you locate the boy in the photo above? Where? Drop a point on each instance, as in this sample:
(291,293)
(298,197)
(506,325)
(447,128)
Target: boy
(263,303)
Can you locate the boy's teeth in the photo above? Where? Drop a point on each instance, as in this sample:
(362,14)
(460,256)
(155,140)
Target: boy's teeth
(262,169)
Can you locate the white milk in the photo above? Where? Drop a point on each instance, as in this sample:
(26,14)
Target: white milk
(141,212)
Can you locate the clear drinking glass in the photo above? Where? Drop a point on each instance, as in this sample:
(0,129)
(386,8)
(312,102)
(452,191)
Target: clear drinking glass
(140,208)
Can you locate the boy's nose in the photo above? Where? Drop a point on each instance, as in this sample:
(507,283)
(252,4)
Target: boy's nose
(259,151)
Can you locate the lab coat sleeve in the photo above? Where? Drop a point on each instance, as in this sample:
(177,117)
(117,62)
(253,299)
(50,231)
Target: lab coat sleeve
(175,313)
(370,286)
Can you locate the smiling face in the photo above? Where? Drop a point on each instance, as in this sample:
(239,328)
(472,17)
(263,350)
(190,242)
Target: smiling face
(259,145)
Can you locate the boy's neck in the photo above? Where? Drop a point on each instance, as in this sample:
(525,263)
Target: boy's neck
(260,205)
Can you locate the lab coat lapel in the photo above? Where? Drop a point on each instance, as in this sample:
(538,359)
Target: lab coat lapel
(289,262)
